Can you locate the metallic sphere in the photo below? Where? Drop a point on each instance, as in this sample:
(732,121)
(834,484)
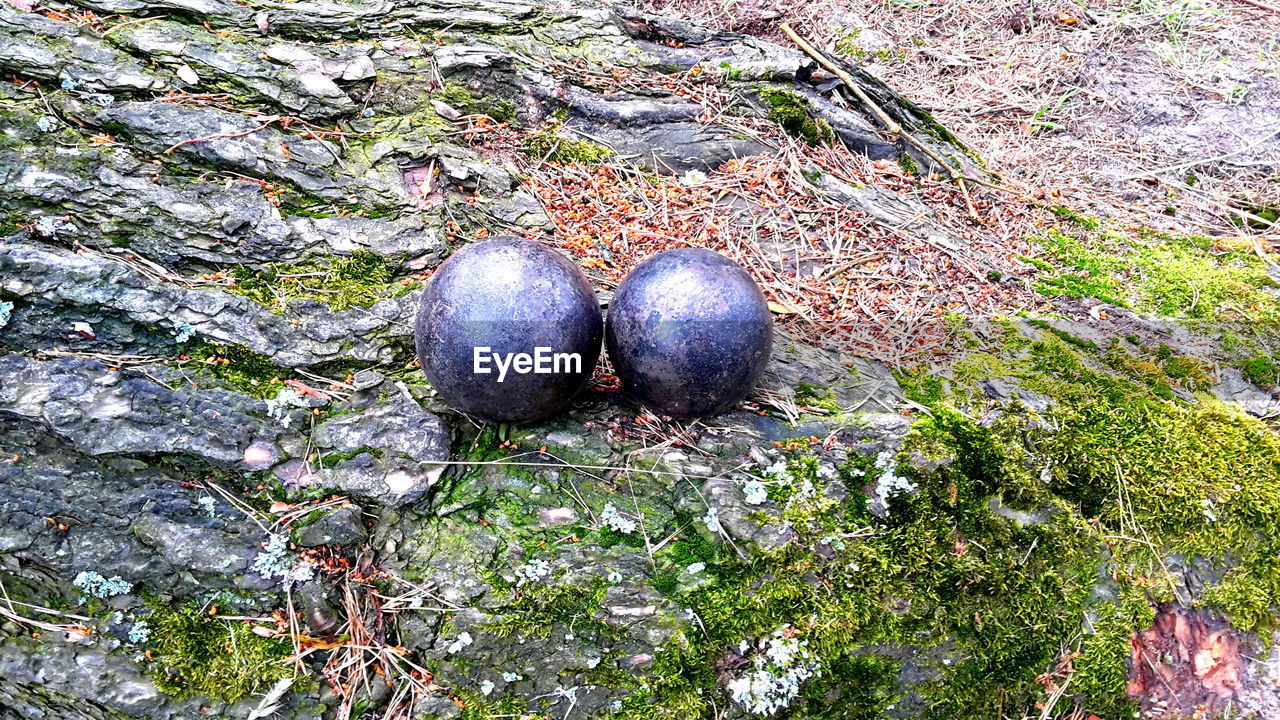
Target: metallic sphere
(689,333)
(508,330)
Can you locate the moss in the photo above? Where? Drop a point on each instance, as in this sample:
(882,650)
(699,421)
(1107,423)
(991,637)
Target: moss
(1079,271)
(1064,335)
(854,687)
(1261,370)
(548,145)
(1188,278)
(251,372)
(908,164)
(1011,600)
(1102,671)
(846,42)
(342,282)
(462,99)
(1191,372)
(816,396)
(923,388)
(1079,219)
(1250,592)
(197,654)
(334,459)
(1129,458)
(11,222)
(792,114)
(1120,460)
(537,608)
(475,706)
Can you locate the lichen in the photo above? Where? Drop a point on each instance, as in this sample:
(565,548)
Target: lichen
(95,585)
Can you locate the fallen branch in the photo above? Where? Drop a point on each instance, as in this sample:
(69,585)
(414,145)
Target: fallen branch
(269,120)
(1264,6)
(891,125)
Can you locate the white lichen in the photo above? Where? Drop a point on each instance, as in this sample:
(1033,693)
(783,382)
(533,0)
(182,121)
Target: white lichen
(754,493)
(532,572)
(208,505)
(464,639)
(275,561)
(617,521)
(6,313)
(779,667)
(889,483)
(140,632)
(48,226)
(711,521)
(278,407)
(694,178)
(91,583)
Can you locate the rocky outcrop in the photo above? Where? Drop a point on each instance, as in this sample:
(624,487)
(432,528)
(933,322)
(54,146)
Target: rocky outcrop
(187,421)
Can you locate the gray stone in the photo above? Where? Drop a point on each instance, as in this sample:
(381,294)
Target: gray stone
(1232,387)
(342,526)
(399,449)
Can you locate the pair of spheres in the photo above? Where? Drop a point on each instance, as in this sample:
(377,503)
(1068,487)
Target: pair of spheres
(509,330)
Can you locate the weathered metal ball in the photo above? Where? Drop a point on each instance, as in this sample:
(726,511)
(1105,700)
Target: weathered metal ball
(508,330)
(689,333)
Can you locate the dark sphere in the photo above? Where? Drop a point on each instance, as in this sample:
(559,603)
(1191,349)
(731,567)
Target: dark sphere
(689,333)
(513,297)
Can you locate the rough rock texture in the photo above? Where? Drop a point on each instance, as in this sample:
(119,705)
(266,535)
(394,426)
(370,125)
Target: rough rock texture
(202,400)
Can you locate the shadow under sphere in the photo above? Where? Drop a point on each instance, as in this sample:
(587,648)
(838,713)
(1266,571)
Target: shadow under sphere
(689,333)
(512,296)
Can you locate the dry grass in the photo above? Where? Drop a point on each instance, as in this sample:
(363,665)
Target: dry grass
(835,275)
(1075,103)
(364,650)
(1052,97)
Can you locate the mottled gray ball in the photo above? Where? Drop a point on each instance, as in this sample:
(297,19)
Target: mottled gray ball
(504,298)
(689,333)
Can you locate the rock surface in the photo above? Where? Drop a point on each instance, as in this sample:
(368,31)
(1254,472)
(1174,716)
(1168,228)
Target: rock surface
(202,400)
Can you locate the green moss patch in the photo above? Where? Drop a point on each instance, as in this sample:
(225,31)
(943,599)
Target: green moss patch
(1192,279)
(1030,543)
(341,282)
(548,145)
(197,654)
(467,102)
(248,371)
(792,114)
